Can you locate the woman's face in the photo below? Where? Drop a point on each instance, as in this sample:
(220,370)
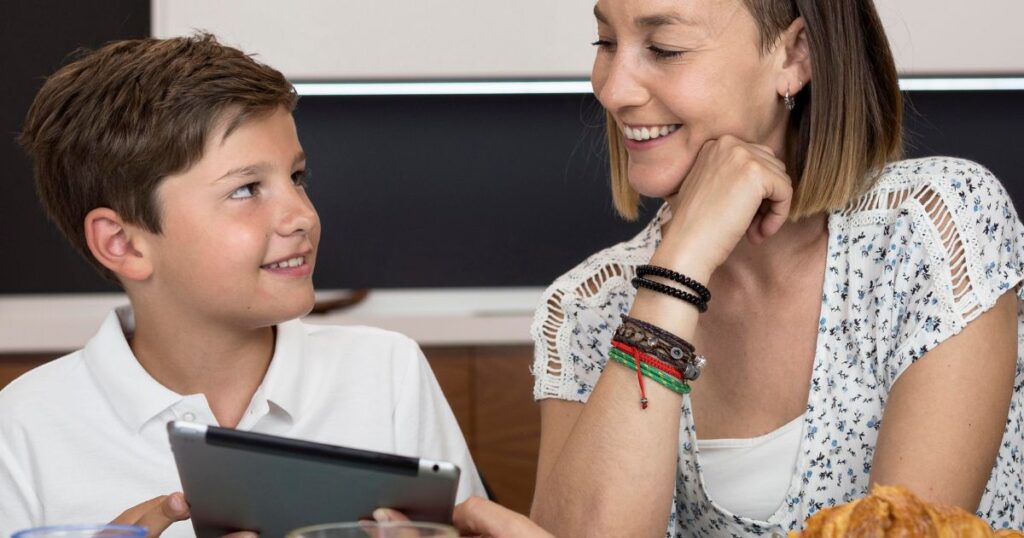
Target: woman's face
(680,73)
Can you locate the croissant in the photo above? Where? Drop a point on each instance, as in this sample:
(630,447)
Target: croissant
(894,512)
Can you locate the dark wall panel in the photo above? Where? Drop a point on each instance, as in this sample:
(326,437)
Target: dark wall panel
(35,39)
(420,191)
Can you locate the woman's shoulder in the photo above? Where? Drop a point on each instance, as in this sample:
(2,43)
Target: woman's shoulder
(613,263)
(957,182)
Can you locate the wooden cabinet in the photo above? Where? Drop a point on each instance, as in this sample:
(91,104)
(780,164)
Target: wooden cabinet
(489,388)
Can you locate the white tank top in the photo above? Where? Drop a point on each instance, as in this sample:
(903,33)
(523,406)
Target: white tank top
(749,477)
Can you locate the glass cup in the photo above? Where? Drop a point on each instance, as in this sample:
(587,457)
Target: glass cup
(83,531)
(376,529)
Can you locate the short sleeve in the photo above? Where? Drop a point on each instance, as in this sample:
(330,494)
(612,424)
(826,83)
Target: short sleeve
(425,425)
(573,329)
(19,505)
(961,245)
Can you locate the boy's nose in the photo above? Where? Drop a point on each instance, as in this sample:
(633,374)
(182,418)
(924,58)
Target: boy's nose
(297,214)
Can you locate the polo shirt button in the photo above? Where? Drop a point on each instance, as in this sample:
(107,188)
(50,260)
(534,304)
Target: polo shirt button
(189,416)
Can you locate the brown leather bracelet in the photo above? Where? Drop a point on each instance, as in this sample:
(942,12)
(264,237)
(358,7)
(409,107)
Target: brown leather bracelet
(661,344)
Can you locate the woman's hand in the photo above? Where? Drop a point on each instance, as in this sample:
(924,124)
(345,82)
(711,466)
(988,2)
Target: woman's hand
(480,517)
(160,512)
(733,189)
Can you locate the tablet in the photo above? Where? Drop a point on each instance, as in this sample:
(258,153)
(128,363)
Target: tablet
(237,480)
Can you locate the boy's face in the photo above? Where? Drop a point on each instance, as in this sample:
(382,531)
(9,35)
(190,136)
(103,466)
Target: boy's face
(240,234)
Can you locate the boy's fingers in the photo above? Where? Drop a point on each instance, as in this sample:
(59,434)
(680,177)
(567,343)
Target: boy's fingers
(131,515)
(156,520)
(387,514)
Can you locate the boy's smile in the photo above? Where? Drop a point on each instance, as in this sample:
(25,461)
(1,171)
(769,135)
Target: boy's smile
(239,236)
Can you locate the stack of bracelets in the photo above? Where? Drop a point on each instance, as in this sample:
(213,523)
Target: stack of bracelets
(654,352)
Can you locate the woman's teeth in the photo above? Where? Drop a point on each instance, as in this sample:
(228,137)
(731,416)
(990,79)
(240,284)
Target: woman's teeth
(294,262)
(648,133)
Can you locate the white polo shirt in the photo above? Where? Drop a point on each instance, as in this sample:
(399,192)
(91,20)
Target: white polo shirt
(84,437)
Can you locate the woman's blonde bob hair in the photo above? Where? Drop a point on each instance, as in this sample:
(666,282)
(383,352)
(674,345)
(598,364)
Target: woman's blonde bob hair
(847,123)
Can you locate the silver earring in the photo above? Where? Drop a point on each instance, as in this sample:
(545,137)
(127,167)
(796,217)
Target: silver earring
(789,101)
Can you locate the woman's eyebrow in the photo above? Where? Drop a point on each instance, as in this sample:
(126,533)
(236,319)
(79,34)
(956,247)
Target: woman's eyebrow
(662,19)
(650,21)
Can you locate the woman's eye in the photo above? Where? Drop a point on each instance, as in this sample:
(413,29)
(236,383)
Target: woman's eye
(663,54)
(300,178)
(245,191)
(604,44)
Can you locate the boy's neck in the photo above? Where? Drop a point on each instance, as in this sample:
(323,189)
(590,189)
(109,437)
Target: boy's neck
(193,356)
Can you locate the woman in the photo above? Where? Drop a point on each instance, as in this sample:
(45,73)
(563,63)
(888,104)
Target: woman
(863,324)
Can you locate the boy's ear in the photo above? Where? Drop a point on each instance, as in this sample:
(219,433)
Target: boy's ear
(117,245)
(796,58)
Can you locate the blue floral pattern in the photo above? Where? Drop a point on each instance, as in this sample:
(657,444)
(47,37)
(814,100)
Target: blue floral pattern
(931,246)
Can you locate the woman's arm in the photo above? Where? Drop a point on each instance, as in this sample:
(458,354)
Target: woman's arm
(946,413)
(608,468)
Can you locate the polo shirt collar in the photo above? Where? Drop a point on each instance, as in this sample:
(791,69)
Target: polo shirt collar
(282,385)
(137,398)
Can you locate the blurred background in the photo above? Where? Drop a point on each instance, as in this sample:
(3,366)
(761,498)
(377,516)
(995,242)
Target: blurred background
(436,189)
(455,201)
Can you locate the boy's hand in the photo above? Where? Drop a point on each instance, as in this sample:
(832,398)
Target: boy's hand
(158,513)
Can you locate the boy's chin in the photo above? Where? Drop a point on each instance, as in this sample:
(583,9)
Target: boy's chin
(282,311)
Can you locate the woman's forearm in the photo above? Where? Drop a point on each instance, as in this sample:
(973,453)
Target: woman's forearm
(615,474)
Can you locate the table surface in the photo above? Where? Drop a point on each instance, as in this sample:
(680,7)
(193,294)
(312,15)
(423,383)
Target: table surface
(432,317)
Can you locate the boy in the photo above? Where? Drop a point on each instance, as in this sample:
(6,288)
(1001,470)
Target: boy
(174,167)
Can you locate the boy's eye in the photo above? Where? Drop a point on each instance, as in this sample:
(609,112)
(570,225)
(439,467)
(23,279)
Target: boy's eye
(245,191)
(300,178)
(604,44)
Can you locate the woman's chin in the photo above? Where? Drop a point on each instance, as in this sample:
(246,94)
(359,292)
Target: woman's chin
(655,188)
(654,182)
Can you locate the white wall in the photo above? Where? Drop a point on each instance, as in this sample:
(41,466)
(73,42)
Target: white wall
(353,39)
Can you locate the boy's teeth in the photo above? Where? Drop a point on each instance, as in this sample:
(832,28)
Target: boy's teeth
(647,133)
(294,262)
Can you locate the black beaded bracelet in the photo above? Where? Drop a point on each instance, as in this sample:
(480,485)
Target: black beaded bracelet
(687,297)
(680,278)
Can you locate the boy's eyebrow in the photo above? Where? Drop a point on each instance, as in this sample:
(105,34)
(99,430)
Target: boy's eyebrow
(247,170)
(258,168)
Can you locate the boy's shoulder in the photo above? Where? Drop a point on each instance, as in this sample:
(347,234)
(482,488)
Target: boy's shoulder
(44,388)
(334,341)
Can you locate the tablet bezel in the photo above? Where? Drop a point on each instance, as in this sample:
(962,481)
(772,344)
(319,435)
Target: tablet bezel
(238,480)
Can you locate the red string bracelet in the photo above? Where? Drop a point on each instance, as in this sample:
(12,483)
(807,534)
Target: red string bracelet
(641,357)
(648,359)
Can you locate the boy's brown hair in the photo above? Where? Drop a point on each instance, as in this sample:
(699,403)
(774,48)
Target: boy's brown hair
(105,129)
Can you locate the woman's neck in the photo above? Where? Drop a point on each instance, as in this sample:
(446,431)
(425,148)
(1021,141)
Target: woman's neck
(772,263)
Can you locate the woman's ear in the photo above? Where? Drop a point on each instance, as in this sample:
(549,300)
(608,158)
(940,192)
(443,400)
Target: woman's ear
(795,49)
(118,246)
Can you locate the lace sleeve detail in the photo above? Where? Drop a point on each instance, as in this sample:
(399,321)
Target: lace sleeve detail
(573,329)
(959,245)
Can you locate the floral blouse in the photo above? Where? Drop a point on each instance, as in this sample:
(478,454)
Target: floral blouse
(910,263)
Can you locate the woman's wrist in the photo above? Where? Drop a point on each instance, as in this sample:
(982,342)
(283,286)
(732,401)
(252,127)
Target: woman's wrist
(692,262)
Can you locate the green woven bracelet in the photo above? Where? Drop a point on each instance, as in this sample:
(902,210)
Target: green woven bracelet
(650,372)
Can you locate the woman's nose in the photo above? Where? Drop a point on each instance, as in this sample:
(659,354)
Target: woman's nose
(620,86)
